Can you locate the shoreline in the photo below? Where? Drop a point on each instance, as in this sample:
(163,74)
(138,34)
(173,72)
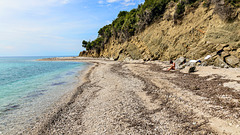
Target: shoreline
(39,91)
(51,111)
(138,97)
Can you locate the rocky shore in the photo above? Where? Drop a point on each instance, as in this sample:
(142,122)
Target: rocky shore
(138,97)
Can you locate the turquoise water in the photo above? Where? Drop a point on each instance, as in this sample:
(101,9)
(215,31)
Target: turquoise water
(27,87)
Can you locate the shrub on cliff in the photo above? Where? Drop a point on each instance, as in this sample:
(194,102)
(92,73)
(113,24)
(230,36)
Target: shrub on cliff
(235,3)
(180,8)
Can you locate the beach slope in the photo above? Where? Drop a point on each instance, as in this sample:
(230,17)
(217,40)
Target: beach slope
(142,98)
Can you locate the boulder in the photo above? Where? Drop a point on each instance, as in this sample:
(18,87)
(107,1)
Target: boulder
(191,69)
(221,46)
(204,63)
(179,63)
(234,53)
(227,48)
(232,61)
(235,46)
(220,63)
(224,54)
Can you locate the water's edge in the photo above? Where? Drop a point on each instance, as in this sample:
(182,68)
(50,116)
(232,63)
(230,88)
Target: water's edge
(31,105)
(52,110)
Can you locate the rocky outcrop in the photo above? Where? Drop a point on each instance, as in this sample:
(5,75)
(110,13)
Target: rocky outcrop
(226,56)
(201,32)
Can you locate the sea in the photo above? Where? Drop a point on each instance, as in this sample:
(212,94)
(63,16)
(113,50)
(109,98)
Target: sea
(28,87)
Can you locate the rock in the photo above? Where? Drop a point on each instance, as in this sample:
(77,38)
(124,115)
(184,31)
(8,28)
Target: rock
(179,63)
(220,63)
(235,46)
(224,54)
(146,58)
(233,53)
(210,61)
(221,46)
(111,58)
(231,60)
(128,59)
(204,63)
(227,48)
(191,69)
(238,50)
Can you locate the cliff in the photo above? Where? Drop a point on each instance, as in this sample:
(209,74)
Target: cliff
(198,30)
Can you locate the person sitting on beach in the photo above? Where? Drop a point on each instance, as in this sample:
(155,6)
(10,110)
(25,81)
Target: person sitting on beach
(172,66)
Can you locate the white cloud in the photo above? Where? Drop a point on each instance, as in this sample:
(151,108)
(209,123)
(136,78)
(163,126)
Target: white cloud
(128,3)
(65,1)
(123,2)
(111,1)
(100,2)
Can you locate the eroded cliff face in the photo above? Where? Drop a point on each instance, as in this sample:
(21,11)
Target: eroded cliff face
(201,32)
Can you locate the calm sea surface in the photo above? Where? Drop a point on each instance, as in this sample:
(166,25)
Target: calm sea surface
(28,87)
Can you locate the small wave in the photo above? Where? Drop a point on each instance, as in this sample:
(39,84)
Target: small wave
(59,83)
(10,107)
(70,73)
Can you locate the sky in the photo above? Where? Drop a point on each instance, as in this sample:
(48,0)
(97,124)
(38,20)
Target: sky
(54,27)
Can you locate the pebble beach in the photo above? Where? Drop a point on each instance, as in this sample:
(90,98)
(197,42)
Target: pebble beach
(137,97)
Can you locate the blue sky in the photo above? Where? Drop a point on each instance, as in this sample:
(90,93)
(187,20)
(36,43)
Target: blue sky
(54,27)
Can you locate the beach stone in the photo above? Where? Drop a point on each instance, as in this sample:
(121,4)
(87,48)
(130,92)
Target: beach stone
(231,60)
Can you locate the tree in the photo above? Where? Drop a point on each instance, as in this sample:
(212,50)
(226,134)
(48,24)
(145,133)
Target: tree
(122,13)
(84,43)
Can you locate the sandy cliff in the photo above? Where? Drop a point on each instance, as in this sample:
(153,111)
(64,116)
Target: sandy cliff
(199,33)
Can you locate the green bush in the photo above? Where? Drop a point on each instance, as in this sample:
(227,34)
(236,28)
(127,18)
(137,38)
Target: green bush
(180,8)
(235,3)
